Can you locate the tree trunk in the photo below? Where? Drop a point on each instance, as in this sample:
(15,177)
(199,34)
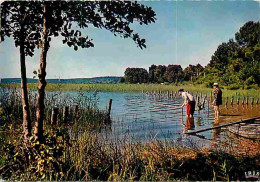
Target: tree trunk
(38,131)
(26,111)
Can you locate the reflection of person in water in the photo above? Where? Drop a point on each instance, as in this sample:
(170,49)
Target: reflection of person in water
(190,123)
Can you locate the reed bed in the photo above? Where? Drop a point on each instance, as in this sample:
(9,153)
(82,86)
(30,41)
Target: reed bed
(141,88)
(82,107)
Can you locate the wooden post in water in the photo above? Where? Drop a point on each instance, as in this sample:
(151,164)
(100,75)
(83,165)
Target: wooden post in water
(257,101)
(109,108)
(208,104)
(243,101)
(238,100)
(226,102)
(203,105)
(232,100)
(65,113)
(252,101)
(198,99)
(247,100)
(198,104)
(54,116)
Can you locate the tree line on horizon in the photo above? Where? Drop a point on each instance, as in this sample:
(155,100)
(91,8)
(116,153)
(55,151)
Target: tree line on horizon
(235,64)
(162,74)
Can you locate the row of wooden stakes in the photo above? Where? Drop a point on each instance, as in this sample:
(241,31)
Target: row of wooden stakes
(170,94)
(75,111)
(199,96)
(245,101)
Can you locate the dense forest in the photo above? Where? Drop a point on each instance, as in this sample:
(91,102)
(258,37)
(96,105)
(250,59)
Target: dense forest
(235,64)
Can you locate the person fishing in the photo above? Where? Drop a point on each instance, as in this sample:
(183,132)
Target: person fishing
(217,99)
(189,101)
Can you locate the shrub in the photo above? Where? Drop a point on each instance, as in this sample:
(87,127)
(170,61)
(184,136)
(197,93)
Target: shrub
(233,86)
(34,161)
(209,84)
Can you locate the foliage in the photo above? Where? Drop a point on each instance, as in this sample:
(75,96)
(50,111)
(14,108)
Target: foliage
(159,74)
(192,72)
(162,73)
(136,75)
(238,63)
(16,21)
(249,34)
(91,158)
(35,161)
(235,64)
(115,16)
(173,73)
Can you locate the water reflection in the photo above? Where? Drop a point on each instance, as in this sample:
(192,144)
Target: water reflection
(144,117)
(190,123)
(141,117)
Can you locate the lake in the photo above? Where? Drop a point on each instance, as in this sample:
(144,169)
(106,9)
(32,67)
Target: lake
(143,117)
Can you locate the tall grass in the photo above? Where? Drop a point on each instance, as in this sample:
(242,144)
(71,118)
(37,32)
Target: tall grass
(87,114)
(92,158)
(140,88)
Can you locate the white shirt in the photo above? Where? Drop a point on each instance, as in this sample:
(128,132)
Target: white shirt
(187,97)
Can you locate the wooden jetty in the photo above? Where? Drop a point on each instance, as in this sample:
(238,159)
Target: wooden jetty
(247,130)
(251,121)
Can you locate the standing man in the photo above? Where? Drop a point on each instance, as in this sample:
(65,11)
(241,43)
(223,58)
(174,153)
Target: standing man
(189,102)
(217,99)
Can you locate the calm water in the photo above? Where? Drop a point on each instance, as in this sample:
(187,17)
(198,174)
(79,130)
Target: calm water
(141,117)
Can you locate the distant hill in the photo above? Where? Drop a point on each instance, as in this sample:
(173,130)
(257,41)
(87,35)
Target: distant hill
(106,79)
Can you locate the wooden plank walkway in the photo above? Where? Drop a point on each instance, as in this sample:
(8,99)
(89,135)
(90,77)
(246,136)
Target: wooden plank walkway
(221,126)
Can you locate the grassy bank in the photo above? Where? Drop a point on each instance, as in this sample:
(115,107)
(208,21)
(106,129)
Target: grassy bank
(139,88)
(91,158)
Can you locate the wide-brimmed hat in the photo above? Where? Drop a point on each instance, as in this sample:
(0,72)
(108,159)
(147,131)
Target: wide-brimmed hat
(181,90)
(215,84)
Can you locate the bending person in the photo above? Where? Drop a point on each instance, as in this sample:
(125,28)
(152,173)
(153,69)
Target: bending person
(189,102)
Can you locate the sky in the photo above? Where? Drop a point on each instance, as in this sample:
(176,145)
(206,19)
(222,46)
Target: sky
(186,32)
